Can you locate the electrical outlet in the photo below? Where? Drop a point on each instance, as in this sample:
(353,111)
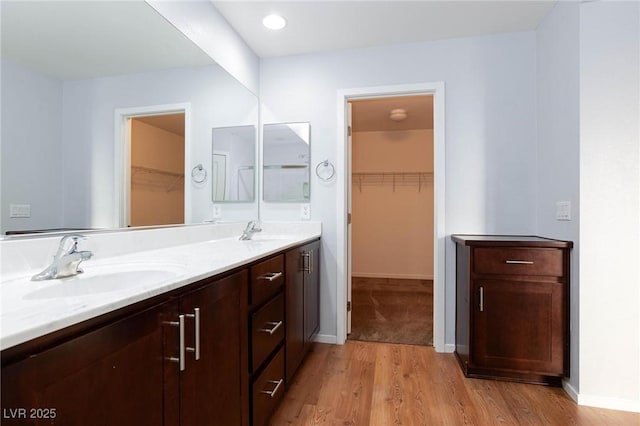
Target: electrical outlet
(20,210)
(217,211)
(305,212)
(563,210)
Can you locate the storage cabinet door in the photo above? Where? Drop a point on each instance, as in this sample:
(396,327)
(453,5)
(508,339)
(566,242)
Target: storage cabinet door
(111,376)
(210,387)
(519,325)
(294,302)
(312,291)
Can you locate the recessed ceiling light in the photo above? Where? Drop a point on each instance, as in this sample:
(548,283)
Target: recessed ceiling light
(274,22)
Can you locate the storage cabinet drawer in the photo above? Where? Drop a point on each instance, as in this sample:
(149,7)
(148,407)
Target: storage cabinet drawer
(518,261)
(267,330)
(268,390)
(266,279)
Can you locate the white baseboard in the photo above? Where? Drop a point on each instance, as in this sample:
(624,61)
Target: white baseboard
(393,276)
(449,348)
(570,390)
(632,405)
(601,401)
(326,338)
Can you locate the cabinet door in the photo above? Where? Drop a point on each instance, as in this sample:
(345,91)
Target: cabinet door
(312,291)
(211,386)
(294,309)
(519,325)
(110,376)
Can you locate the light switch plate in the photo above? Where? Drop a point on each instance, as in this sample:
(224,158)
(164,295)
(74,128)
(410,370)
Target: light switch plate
(217,211)
(563,210)
(305,212)
(20,210)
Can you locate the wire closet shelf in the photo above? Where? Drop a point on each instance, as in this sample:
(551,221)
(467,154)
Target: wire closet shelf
(394,179)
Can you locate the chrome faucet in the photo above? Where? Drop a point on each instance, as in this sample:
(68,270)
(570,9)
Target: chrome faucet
(66,261)
(252,228)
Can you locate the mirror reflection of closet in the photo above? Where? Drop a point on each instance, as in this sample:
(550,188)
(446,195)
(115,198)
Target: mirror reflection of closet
(286,156)
(233,164)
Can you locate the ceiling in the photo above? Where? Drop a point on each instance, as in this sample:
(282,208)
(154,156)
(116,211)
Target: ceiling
(372,115)
(72,40)
(317,26)
(173,123)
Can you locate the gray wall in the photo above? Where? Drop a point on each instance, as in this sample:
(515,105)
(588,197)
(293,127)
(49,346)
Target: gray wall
(490,133)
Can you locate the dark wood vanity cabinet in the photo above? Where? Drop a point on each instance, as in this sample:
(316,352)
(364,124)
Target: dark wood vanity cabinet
(209,386)
(302,290)
(212,353)
(110,376)
(128,372)
(266,338)
(512,307)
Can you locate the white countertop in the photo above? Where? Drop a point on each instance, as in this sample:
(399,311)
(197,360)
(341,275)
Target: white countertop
(32,309)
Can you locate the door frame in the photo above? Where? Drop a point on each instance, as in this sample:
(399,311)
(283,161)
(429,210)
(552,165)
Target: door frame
(344,187)
(122,156)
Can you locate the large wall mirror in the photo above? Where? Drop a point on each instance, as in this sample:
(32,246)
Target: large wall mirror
(286,153)
(233,164)
(68,69)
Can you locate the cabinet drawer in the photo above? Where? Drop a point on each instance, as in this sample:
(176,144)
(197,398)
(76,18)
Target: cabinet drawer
(266,279)
(267,330)
(518,261)
(268,390)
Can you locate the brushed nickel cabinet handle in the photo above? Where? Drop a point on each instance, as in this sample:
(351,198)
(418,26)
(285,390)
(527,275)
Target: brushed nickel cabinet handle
(481,299)
(270,276)
(196,316)
(273,392)
(306,266)
(274,326)
(180,358)
(311,261)
(518,262)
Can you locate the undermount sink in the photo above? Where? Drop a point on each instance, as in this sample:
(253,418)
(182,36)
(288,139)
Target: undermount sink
(106,279)
(270,237)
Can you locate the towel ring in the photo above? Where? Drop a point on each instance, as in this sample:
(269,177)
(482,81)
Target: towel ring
(327,167)
(198,174)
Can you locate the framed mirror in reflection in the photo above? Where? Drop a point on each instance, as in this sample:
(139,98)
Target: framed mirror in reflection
(286,152)
(233,164)
(67,110)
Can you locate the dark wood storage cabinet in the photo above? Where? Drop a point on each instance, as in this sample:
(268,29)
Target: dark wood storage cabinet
(302,303)
(512,307)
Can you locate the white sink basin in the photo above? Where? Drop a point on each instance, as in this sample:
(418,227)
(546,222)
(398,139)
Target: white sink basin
(270,237)
(106,279)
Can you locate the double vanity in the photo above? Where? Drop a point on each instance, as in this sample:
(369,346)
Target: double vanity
(207,330)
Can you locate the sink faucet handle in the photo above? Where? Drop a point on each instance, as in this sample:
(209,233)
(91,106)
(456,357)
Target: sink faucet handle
(62,250)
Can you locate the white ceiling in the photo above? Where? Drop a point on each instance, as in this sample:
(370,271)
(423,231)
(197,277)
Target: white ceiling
(72,40)
(316,26)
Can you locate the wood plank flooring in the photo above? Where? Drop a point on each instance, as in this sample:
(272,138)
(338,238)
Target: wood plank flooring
(380,384)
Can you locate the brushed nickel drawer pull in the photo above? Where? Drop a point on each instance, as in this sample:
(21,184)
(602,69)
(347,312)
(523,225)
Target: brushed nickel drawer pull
(306,266)
(275,326)
(196,316)
(518,262)
(273,392)
(481,299)
(270,276)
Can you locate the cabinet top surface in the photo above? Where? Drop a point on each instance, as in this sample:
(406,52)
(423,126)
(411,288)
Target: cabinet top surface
(509,240)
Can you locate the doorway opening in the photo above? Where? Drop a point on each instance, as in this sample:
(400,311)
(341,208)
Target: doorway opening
(151,151)
(392,219)
(343,205)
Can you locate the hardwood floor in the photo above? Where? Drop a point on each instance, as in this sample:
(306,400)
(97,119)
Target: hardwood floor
(380,384)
